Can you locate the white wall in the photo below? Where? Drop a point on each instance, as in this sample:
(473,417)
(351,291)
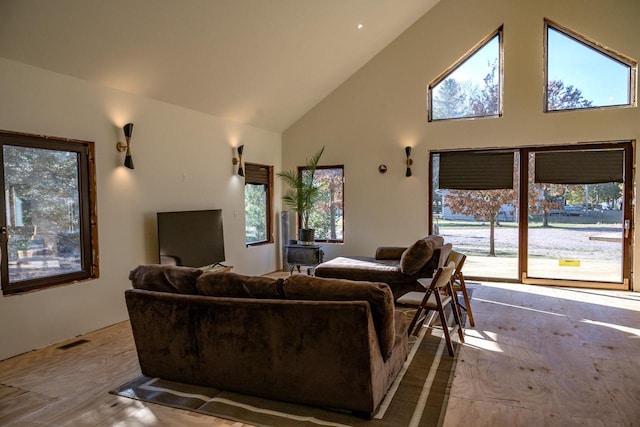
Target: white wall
(382,108)
(182,161)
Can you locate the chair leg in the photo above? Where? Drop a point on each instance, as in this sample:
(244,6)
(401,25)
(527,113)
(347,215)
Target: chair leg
(418,320)
(467,301)
(456,317)
(414,320)
(445,325)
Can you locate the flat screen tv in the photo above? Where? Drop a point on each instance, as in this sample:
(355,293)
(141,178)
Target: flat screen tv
(191,238)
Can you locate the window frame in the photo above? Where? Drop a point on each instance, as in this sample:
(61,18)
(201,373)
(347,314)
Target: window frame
(269,210)
(89,253)
(341,167)
(499,32)
(594,45)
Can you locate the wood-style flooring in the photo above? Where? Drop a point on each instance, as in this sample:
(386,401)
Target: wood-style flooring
(537,357)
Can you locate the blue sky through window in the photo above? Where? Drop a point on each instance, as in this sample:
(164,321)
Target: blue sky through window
(478,65)
(464,93)
(602,80)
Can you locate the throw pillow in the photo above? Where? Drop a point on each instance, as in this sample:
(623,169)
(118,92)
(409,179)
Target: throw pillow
(437,240)
(234,285)
(165,278)
(416,256)
(378,295)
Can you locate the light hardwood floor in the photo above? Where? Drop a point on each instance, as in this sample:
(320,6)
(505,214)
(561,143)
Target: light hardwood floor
(537,357)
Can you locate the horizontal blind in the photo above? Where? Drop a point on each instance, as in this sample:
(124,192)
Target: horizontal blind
(256,174)
(475,170)
(579,166)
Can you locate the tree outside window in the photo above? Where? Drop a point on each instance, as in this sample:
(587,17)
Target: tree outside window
(327,217)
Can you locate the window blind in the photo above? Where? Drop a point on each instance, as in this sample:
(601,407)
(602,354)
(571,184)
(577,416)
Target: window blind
(256,174)
(579,166)
(476,170)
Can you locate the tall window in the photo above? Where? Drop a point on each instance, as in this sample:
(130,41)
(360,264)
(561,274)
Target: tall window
(582,74)
(472,87)
(327,218)
(258,192)
(49,232)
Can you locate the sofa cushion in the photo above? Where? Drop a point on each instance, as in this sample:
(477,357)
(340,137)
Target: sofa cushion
(390,252)
(418,254)
(165,278)
(239,286)
(378,295)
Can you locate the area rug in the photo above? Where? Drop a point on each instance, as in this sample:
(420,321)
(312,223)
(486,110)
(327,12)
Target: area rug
(418,397)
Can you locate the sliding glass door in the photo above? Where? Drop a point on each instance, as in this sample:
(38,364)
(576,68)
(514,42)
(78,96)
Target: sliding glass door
(578,215)
(475,207)
(565,220)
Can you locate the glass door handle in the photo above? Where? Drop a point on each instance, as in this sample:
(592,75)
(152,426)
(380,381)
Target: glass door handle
(627,227)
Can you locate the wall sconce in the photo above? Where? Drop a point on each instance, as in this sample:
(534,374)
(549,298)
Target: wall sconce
(407,150)
(238,160)
(122,147)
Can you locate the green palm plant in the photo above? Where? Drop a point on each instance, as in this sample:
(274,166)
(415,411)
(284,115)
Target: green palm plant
(303,192)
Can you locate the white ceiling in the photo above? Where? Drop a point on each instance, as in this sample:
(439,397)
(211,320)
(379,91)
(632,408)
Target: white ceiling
(259,62)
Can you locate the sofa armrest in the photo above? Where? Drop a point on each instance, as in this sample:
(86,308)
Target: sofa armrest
(390,252)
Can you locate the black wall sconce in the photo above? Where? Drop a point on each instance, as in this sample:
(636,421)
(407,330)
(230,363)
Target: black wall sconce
(122,147)
(407,150)
(238,160)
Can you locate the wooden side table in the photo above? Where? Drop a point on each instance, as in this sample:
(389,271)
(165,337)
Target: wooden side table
(308,255)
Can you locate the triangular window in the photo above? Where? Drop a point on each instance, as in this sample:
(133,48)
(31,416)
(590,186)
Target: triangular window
(472,87)
(580,73)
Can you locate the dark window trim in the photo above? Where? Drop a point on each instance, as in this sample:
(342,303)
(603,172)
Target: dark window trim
(87,209)
(269,224)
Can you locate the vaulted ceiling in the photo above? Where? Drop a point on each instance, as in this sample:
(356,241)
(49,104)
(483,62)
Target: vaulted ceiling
(259,62)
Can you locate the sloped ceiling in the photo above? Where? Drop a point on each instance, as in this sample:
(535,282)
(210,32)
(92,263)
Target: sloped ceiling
(259,62)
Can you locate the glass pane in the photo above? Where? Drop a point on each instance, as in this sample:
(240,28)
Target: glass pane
(482,224)
(575,231)
(327,215)
(255,202)
(472,89)
(42,209)
(579,76)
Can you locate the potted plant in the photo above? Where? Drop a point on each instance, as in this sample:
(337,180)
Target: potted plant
(302,195)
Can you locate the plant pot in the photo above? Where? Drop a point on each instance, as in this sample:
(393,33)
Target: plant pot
(306,236)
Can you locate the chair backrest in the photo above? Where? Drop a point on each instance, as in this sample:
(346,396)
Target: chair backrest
(443,276)
(458,259)
(445,252)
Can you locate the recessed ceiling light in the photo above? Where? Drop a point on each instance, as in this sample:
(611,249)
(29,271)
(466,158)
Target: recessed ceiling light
(360,26)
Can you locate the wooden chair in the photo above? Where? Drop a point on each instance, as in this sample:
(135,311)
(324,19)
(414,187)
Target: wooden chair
(437,296)
(458,284)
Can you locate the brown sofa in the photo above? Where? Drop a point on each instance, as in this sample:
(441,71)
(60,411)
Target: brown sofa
(330,343)
(398,267)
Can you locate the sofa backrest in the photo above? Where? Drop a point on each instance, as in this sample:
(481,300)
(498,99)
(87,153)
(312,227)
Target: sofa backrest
(165,278)
(378,295)
(234,285)
(184,280)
